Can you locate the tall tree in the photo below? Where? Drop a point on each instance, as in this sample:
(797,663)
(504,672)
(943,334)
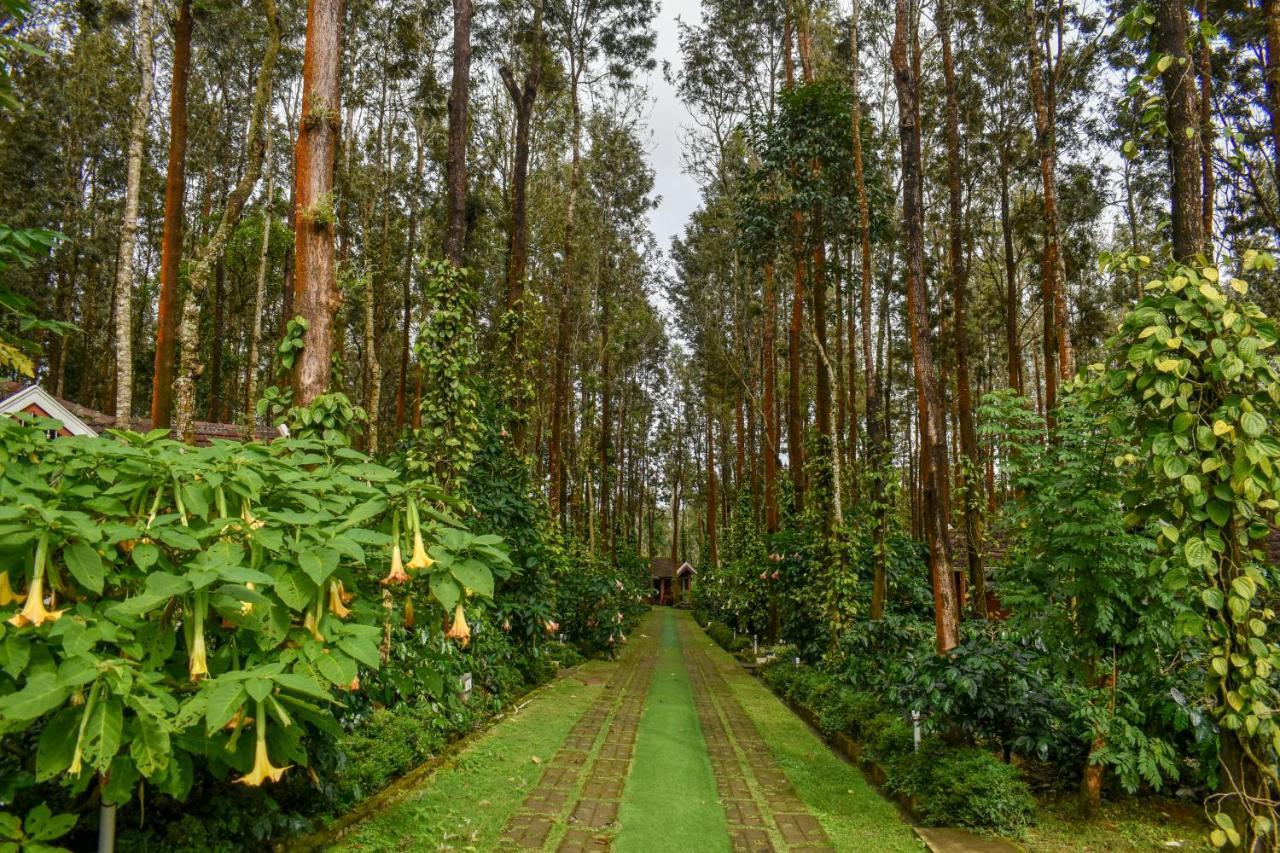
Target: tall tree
(455,231)
(1178,80)
(933,439)
(315,291)
(174,222)
(958,271)
(129,219)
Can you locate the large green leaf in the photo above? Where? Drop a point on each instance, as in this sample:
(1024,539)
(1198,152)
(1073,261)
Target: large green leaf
(85,565)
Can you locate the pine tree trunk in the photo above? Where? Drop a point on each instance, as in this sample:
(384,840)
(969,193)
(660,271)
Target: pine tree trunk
(455,235)
(315,292)
(1012,290)
(1182,117)
(171,241)
(1048,163)
(560,379)
(875,461)
(259,297)
(129,221)
(933,446)
(967,472)
(769,406)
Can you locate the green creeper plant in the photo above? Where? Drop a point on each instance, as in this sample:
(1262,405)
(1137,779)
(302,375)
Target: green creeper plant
(446,444)
(1197,361)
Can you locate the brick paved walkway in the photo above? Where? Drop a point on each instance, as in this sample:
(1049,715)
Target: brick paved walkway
(762,809)
(574,806)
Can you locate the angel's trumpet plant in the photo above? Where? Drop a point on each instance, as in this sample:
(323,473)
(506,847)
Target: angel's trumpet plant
(7,594)
(246,607)
(262,766)
(419,560)
(459,630)
(312,621)
(336,606)
(197,657)
(34,612)
(397,573)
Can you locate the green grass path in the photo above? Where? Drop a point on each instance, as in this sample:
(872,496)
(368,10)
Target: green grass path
(464,804)
(670,801)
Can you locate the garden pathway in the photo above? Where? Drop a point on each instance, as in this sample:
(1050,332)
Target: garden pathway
(671,748)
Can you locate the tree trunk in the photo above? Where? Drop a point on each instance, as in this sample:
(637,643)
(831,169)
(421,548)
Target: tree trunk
(129,222)
(211,252)
(560,380)
(713,498)
(406,305)
(1206,129)
(216,339)
(967,472)
(1046,147)
(315,293)
(876,462)
(171,241)
(933,446)
(769,406)
(1013,293)
(1271,11)
(259,296)
(1182,117)
(455,234)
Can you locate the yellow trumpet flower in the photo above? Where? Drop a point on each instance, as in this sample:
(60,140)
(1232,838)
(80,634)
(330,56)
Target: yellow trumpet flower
(420,560)
(262,766)
(7,594)
(311,624)
(34,612)
(397,573)
(336,607)
(459,630)
(408,613)
(198,666)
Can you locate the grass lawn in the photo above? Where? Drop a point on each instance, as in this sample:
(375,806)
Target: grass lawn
(854,815)
(1126,826)
(466,802)
(670,802)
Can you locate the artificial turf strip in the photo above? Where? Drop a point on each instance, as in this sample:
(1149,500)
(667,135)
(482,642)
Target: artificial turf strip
(465,804)
(670,801)
(855,817)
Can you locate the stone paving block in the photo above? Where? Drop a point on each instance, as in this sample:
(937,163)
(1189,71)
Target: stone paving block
(743,812)
(595,814)
(546,801)
(800,828)
(527,831)
(583,841)
(744,840)
(559,777)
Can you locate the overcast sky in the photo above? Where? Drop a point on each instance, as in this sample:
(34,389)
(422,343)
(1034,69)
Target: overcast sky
(678,192)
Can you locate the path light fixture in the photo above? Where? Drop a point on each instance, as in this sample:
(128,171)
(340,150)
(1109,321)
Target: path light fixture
(915,729)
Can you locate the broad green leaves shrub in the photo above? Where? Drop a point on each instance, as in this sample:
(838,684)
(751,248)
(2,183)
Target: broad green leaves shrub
(963,787)
(190,609)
